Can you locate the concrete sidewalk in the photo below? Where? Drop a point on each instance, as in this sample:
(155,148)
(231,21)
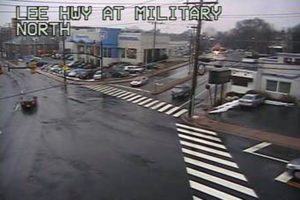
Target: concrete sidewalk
(204,121)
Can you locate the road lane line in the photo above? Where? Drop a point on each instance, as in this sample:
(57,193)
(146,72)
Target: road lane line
(122,95)
(133,98)
(144,102)
(207,149)
(108,90)
(199,135)
(257,147)
(139,100)
(196,129)
(98,87)
(128,96)
(113,92)
(222,182)
(165,108)
(151,104)
(181,112)
(202,141)
(196,198)
(284,177)
(270,157)
(158,105)
(172,110)
(211,191)
(211,158)
(215,168)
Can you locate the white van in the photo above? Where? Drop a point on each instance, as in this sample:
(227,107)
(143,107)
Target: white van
(134,69)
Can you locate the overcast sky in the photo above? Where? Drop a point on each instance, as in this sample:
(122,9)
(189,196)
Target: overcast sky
(280,13)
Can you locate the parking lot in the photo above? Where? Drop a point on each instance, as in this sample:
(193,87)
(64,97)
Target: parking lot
(277,119)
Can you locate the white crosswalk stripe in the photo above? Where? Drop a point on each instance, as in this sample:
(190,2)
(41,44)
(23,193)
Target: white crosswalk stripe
(140,100)
(181,112)
(151,103)
(210,167)
(165,108)
(134,97)
(172,110)
(145,101)
(158,105)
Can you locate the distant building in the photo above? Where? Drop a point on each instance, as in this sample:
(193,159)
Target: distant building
(278,76)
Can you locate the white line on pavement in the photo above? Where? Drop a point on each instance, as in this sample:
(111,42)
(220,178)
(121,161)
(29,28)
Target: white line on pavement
(128,96)
(222,182)
(196,129)
(270,157)
(215,168)
(196,198)
(181,112)
(144,102)
(207,149)
(139,100)
(165,108)
(151,104)
(133,98)
(199,134)
(202,141)
(172,110)
(113,92)
(257,147)
(211,158)
(284,177)
(122,95)
(131,88)
(211,191)
(158,105)
(119,93)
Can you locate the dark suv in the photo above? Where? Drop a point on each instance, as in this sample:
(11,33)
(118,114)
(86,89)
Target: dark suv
(181,91)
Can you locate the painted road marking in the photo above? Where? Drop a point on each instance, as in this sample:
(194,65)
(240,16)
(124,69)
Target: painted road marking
(257,147)
(211,191)
(222,182)
(202,141)
(199,135)
(119,93)
(139,100)
(207,149)
(172,110)
(165,108)
(181,112)
(284,177)
(158,105)
(215,168)
(151,104)
(107,90)
(128,96)
(133,98)
(113,92)
(196,198)
(122,95)
(252,150)
(144,102)
(211,158)
(196,129)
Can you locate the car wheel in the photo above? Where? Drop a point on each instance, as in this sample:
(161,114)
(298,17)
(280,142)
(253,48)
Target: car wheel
(296,174)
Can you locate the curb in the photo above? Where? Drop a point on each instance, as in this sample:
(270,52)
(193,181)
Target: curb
(255,134)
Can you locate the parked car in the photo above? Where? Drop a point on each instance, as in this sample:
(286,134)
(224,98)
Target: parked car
(74,72)
(139,81)
(119,74)
(294,168)
(181,91)
(251,100)
(152,66)
(86,74)
(98,75)
(28,101)
(134,69)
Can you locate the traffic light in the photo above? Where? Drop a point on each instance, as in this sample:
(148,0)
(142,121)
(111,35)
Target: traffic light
(33,68)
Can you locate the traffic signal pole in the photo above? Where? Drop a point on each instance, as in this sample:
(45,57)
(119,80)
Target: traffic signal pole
(64,62)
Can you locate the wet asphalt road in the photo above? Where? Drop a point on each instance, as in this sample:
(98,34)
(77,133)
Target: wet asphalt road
(84,145)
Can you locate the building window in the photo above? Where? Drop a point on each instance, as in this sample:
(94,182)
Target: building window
(131,53)
(107,52)
(240,81)
(278,86)
(284,87)
(122,53)
(271,85)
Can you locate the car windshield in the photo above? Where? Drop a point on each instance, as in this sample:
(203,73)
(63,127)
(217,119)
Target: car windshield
(248,97)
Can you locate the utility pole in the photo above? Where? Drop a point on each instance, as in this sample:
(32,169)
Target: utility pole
(64,62)
(197,54)
(154,40)
(101,61)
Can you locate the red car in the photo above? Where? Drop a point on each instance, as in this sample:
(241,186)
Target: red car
(28,101)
